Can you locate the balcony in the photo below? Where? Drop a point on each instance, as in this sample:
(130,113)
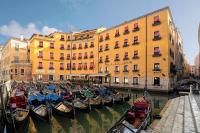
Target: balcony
(156,69)
(68,68)
(51,68)
(125,45)
(135,70)
(116,47)
(101,40)
(40,56)
(68,58)
(51,58)
(79,47)
(85,57)
(126,58)
(62,48)
(125,71)
(100,50)
(106,49)
(155,23)
(85,68)
(156,38)
(136,29)
(91,56)
(91,46)
(73,68)
(40,67)
(73,48)
(51,47)
(40,45)
(135,57)
(126,32)
(62,39)
(116,71)
(117,59)
(107,38)
(68,48)
(73,58)
(79,57)
(107,60)
(135,43)
(61,58)
(156,54)
(91,68)
(61,68)
(80,68)
(117,35)
(100,61)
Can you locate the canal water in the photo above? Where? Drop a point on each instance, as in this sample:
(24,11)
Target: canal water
(97,121)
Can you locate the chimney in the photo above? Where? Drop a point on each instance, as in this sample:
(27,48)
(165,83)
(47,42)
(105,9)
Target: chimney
(22,37)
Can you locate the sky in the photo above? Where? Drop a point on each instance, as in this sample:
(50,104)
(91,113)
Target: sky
(46,16)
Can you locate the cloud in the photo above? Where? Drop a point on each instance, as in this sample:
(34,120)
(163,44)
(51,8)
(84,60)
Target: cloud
(71,28)
(14,29)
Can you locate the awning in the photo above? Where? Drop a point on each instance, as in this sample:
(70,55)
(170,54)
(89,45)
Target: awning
(98,75)
(76,75)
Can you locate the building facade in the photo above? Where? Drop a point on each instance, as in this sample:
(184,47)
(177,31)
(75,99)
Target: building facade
(15,64)
(143,52)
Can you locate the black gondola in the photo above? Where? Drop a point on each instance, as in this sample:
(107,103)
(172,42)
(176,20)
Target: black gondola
(39,108)
(59,107)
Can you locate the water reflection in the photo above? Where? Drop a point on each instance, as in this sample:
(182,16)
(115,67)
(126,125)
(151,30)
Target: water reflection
(97,121)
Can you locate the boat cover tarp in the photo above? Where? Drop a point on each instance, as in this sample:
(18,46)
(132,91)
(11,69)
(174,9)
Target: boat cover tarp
(52,97)
(40,97)
(51,87)
(88,94)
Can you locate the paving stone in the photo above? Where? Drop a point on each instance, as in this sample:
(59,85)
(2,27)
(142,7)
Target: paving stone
(196,112)
(188,120)
(178,124)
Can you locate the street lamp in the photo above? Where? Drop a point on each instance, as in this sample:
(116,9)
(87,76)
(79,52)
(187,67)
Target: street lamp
(199,48)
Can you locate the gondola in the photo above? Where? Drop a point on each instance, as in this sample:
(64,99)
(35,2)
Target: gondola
(95,101)
(39,108)
(135,119)
(79,105)
(17,111)
(104,93)
(59,107)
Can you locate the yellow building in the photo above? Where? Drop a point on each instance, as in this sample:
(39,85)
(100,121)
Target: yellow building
(139,53)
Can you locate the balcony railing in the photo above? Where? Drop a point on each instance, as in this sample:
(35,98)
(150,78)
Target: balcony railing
(107,60)
(156,69)
(156,54)
(61,58)
(91,56)
(62,48)
(126,32)
(126,58)
(135,42)
(73,48)
(125,70)
(79,57)
(135,70)
(51,68)
(106,49)
(107,38)
(86,46)
(100,50)
(136,29)
(91,46)
(135,57)
(117,59)
(40,67)
(101,40)
(79,47)
(156,38)
(61,68)
(117,35)
(125,45)
(156,23)
(116,47)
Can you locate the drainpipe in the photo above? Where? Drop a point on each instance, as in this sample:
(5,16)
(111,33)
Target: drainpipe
(145,88)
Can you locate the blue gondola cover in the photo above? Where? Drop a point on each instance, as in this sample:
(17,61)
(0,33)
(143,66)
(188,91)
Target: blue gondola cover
(51,87)
(40,97)
(52,97)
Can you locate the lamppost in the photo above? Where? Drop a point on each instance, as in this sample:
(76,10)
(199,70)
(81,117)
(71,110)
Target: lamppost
(199,49)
